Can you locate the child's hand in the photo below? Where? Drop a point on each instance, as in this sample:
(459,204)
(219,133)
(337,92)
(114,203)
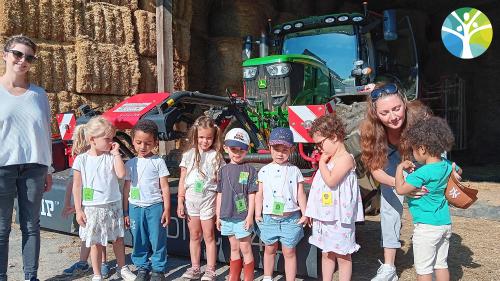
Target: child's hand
(217,223)
(126,221)
(258,218)
(165,218)
(115,149)
(248,223)
(67,210)
(303,221)
(310,222)
(324,158)
(407,165)
(81,218)
(454,171)
(180,209)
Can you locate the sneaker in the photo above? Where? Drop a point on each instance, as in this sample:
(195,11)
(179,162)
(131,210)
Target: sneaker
(385,273)
(192,273)
(77,268)
(209,276)
(97,278)
(126,274)
(142,275)
(158,276)
(105,272)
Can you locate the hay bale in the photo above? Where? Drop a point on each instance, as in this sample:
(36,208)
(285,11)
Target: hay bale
(239,18)
(148,5)
(224,65)
(148,82)
(201,9)
(11,17)
(182,40)
(106,68)
(110,24)
(131,4)
(198,62)
(180,76)
(55,70)
(145,23)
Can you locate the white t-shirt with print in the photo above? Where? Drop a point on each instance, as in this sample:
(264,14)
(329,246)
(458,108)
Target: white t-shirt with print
(98,174)
(209,165)
(144,173)
(280,183)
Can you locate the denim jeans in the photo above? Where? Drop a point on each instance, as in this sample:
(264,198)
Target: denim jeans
(26,181)
(149,237)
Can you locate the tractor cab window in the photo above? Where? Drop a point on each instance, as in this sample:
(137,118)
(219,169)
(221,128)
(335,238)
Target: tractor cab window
(335,46)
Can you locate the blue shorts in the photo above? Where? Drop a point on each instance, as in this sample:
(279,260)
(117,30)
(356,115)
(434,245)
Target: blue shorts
(283,229)
(236,227)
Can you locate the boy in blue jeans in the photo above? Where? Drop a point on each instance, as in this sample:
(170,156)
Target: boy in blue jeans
(431,214)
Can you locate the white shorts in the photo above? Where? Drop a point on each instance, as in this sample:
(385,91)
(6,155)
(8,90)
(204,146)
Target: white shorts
(430,247)
(200,204)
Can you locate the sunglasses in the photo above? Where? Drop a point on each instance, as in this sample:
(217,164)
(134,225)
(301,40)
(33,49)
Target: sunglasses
(387,89)
(19,55)
(319,145)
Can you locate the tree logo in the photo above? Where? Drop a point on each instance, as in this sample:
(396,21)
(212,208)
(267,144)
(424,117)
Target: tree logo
(467,33)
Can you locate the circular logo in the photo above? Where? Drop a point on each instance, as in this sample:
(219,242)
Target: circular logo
(467,33)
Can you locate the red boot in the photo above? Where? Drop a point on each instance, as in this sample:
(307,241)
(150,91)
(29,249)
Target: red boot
(248,271)
(235,270)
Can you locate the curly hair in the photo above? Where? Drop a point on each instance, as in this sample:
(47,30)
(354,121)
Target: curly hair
(432,133)
(415,112)
(19,39)
(373,134)
(146,126)
(328,126)
(205,122)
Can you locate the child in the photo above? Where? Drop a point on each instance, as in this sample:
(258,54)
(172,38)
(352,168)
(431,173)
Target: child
(146,203)
(416,111)
(235,203)
(197,193)
(282,200)
(431,214)
(81,266)
(334,203)
(97,193)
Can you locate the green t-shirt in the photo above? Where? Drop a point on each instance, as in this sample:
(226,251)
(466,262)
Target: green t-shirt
(432,208)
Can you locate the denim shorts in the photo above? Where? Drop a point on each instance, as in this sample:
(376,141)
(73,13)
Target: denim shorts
(236,227)
(283,229)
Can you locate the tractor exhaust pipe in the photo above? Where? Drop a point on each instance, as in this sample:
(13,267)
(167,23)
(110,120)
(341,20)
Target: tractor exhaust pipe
(263,45)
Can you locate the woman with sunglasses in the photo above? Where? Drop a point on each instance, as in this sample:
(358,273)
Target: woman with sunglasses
(25,156)
(380,135)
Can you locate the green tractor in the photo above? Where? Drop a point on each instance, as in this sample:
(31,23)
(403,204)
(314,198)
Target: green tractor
(328,60)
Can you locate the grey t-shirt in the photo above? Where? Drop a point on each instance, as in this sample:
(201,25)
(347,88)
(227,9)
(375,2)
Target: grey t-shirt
(235,180)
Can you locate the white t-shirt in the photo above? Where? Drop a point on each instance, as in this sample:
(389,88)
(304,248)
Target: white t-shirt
(25,132)
(144,174)
(98,174)
(208,165)
(280,183)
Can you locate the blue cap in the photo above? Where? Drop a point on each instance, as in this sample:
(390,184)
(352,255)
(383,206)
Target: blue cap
(282,136)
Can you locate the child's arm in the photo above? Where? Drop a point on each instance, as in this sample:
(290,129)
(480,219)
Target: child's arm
(217,210)
(382,177)
(77,195)
(126,192)
(165,192)
(251,210)
(302,200)
(118,164)
(68,208)
(402,187)
(181,194)
(259,197)
(342,167)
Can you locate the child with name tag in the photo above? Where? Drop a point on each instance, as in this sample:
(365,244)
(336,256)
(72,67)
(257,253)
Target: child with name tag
(236,190)
(334,204)
(197,193)
(146,203)
(280,204)
(96,192)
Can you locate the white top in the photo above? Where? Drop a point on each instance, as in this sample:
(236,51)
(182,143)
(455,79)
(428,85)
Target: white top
(145,174)
(25,132)
(98,173)
(280,183)
(208,165)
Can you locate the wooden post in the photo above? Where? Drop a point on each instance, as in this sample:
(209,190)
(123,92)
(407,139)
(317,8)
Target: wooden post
(164,55)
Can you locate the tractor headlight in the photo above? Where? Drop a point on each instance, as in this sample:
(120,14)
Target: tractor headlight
(278,69)
(249,72)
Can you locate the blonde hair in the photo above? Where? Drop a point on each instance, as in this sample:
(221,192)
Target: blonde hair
(97,126)
(205,122)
